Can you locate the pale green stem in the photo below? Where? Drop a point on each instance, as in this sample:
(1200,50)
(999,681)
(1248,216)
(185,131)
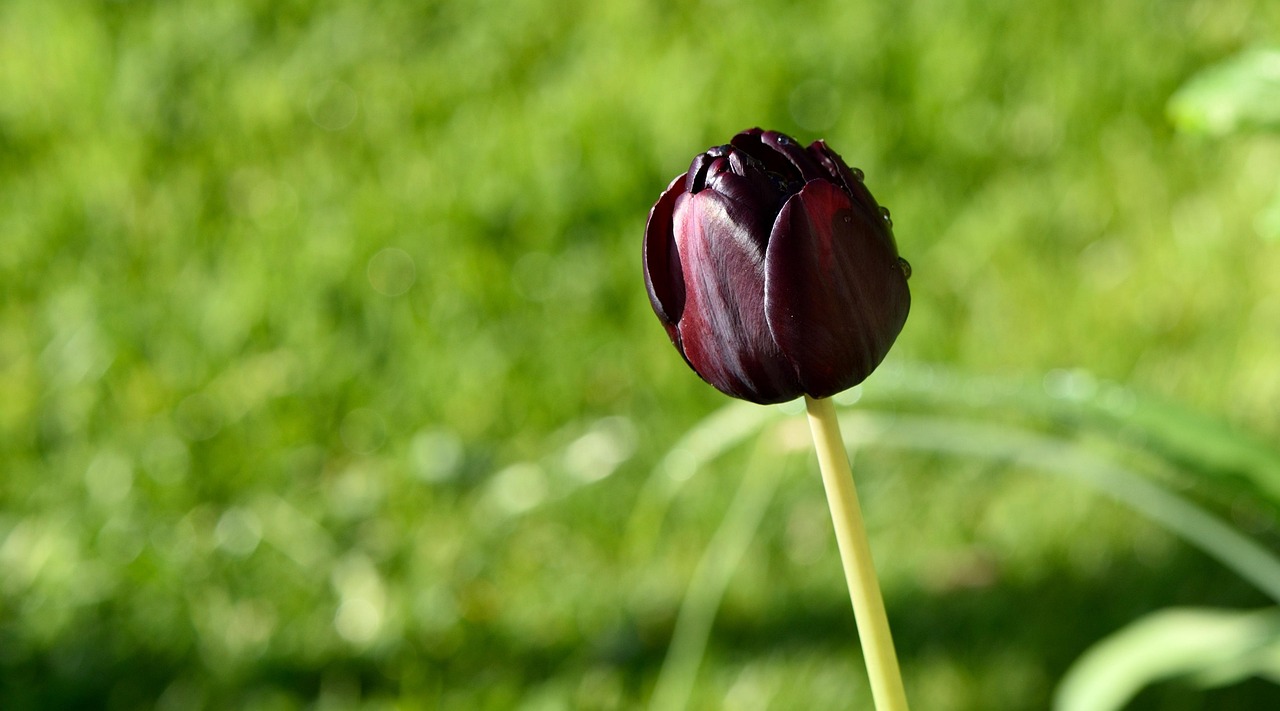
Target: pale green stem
(855,554)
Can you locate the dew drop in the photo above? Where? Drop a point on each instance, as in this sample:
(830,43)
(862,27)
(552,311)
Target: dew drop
(857,174)
(905,266)
(884,214)
(848,219)
(784,140)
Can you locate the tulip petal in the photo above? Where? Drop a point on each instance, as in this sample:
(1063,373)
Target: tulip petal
(781,154)
(751,201)
(696,178)
(835,296)
(751,143)
(663,278)
(853,184)
(795,154)
(835,165)
(723,331)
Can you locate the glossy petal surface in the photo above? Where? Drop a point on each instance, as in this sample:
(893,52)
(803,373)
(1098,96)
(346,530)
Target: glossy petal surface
(853,185)
(773,269)
(663,277)
(723,331)
(835,296)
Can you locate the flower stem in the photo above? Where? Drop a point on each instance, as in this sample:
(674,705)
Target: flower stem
(855,555)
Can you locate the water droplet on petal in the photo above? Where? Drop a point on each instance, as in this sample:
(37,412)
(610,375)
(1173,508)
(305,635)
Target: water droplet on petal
(857,174)
(884,214)
(905,266)
(848,219)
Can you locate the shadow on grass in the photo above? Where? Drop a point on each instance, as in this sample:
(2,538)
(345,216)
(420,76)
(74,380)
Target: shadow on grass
(1049,621)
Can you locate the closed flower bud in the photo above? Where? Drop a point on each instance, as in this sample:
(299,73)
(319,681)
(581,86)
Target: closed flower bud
(774,270)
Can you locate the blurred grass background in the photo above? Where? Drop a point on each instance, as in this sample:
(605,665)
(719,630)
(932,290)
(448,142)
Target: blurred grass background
(327,379)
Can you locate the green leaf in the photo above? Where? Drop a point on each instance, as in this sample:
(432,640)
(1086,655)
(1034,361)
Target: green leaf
(1207,647)
(1200,444)
(1241,93)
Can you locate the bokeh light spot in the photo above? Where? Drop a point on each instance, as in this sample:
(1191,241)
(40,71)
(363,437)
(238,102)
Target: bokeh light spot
(238,532)
(596,454)
(435,455)
(333,105)
(391,272)
(360,614)
(166,459)
(109,478)
(815,105)
(358,620)
(197,417)
(519,487)
(363,430)
(532,276)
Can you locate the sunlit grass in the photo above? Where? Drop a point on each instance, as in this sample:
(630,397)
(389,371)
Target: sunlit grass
(327,377)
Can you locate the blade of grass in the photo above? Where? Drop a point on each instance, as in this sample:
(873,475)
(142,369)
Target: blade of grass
(1212,647)
(1195,442)
(1236,551)
(715,434)
(711,578)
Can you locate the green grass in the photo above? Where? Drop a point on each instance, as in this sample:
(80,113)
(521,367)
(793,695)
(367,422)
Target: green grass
(327,378)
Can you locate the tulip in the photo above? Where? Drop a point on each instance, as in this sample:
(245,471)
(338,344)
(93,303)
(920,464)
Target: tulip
(774,270)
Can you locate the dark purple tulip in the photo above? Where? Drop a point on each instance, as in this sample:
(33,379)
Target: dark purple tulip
(774,271)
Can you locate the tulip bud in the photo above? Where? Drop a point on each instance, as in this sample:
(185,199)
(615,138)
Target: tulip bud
(774,271)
